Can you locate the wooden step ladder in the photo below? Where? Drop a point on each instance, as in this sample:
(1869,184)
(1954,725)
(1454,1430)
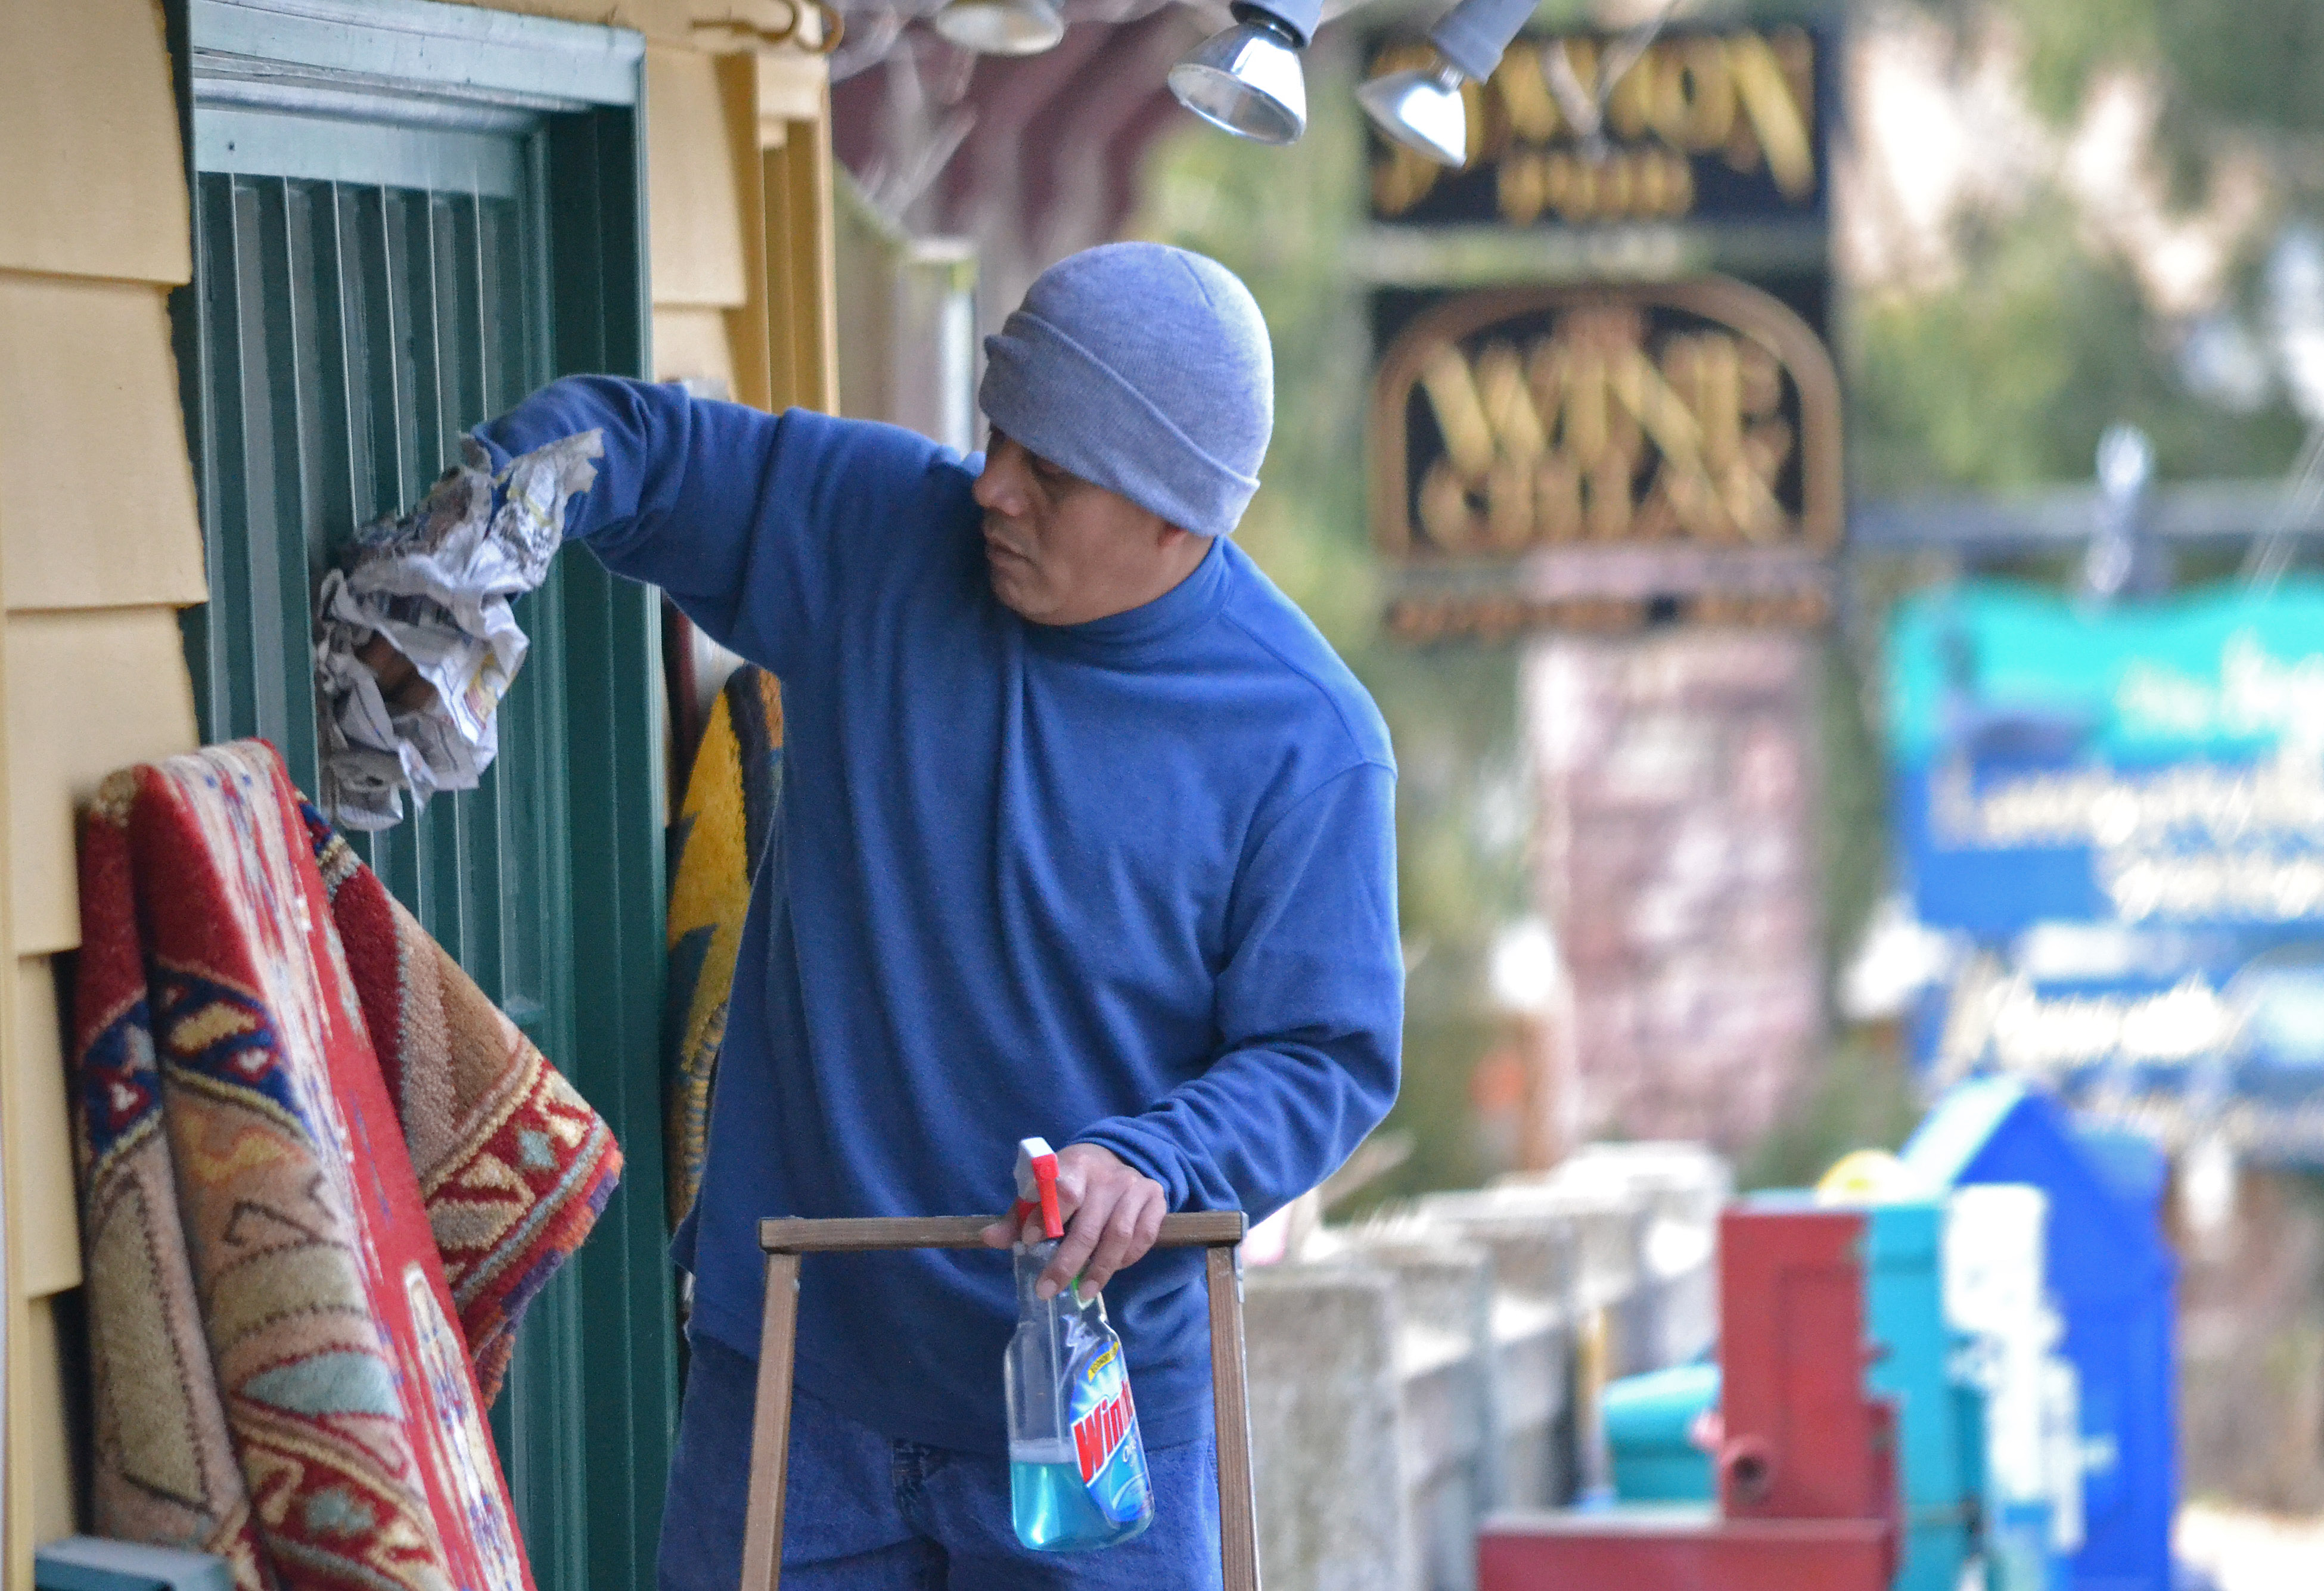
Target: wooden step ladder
(785,1240)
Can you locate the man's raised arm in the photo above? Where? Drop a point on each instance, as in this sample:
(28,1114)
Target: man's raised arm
(744,517)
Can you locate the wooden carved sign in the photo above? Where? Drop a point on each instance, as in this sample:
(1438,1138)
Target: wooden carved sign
(1703,125)
(1690,428)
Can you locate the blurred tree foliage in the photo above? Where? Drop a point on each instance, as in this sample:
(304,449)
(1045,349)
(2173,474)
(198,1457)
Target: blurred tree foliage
(2008,377)
(2227,63)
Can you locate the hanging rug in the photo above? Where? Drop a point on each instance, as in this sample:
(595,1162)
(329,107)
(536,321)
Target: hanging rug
(280,1373)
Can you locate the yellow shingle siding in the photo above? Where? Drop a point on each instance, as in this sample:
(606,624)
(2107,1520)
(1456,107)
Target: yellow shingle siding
(46,1244)
(88,690)
(693,344)
(663,21)
(39,1142)
(36,1419)
(98,547)
(100,510)
(94,184)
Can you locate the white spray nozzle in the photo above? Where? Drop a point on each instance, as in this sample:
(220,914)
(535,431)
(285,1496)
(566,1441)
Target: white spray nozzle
(1036,1186)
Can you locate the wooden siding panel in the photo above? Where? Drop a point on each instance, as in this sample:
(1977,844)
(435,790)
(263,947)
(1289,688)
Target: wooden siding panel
(36,1426)
(19,1462)
(97,493)
(747,327)
(87,692)
(792,87)
(803,330)
(696,226)
(670,20)
(94,183)
(44,1222)
(690,343)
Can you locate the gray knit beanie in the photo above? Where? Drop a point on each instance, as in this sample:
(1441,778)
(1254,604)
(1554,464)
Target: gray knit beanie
(1146,369)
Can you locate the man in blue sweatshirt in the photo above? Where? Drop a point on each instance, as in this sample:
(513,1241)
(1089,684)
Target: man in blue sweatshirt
(1086,834)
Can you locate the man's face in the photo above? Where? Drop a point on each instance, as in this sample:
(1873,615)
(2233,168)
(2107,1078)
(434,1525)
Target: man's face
(1064,551)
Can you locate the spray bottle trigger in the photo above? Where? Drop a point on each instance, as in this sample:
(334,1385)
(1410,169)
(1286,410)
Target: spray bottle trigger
(1036,1186)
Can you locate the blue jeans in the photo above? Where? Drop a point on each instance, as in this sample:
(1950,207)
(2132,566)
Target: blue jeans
(866,1513)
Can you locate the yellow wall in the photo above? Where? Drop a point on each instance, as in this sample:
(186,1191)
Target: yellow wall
(738,177)
(99,543)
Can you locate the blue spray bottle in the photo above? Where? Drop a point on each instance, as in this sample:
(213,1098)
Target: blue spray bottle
(1077,1467)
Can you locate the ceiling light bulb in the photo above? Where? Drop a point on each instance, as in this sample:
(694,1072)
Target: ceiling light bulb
(1421,109)
(1000,27)
(1248,80)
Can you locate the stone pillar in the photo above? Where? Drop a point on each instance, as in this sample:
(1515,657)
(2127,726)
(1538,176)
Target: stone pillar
(1451,1414)
(1677,861)
(1326,1435)
(1538,1264)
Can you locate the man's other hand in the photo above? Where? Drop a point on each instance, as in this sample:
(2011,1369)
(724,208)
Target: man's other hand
(1113,1215)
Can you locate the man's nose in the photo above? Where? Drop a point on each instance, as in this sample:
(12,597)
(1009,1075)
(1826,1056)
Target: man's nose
(996,493)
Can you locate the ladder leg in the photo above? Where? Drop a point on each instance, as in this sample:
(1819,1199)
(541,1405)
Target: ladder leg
(771,1428)
(1230,1403)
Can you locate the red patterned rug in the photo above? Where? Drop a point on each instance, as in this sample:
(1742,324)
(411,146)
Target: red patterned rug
(279,1376)
(513,1165)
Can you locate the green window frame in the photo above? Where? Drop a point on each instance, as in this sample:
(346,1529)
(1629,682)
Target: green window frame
(407,214)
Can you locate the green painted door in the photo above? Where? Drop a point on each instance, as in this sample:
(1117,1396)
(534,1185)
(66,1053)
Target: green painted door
(372,278)
(366,295)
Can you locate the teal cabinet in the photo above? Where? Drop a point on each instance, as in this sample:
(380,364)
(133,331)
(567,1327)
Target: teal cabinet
(1651,1420)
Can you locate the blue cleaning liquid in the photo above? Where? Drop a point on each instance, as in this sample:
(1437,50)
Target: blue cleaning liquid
(1054,1512)
(1077,1467)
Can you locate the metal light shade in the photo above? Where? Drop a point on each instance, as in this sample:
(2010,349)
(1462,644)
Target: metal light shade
(1000,27)
(1421,110)
(1247,80)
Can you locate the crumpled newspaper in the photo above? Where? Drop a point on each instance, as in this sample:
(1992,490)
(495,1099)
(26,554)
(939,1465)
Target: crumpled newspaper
(418,641)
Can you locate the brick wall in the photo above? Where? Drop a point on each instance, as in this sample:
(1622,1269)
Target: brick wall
(1676,780)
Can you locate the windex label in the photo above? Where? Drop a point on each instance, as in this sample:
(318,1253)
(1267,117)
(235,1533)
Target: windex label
(1106,1448)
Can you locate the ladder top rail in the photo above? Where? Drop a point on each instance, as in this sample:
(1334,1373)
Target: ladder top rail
(1212,1228)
